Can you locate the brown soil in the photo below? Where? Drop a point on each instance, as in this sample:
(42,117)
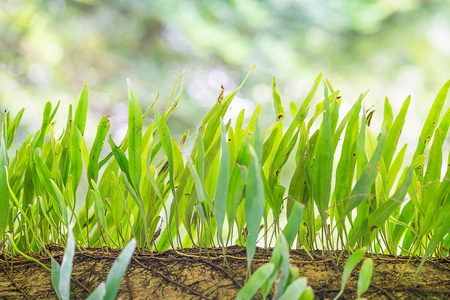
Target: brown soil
(189,274)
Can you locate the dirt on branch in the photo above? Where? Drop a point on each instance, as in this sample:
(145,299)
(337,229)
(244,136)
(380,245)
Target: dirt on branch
(201,274)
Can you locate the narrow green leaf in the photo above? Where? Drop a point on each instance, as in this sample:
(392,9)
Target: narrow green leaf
(361,155)
(201,213)
(395,168)
(269,144)
(14,246)
(134,136)
(435,199)
(75,158)
(254,204)
(279,110)
(4,193)
(433,172)
(368,176)
(378,217)
(65,141)
(346,166)
(27,219)
(351,113)
(279,259)
(394,134)
(415,192)
(167,145)
(218,111)
(226,99)
(120,158)
(12,128)
(235,193)
(221,195)
(388,114)
(298,190)
(48,181)
(281,264)
(294,221)
(140,205)
(99,292)
(365,275)
(150,176)
(323,161)
(295,289)
(319,109)
(293,108)
(81,111)
(66,268)
(442,229)
(100,209)
(56,270)
(178,162)
(406,216)
(430,124)
(288,150)
(199,187)
(118,209)
(257,142)
(118,269)
(61,203)
(278,195)
(308,294)
(102,130)
(400,223)
(334,107)
(255,282)
(45,123)
(351,263)
(200,153)
(298,119)
(173,102)
(433,191)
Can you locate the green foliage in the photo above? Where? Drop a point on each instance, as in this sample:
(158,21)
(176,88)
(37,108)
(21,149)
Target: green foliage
(61,273)
(226,189)
(365,275)
(350,264)
(106,290)
(289,285)
(255,282)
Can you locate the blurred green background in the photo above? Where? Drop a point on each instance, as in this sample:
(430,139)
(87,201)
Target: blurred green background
(49,49)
